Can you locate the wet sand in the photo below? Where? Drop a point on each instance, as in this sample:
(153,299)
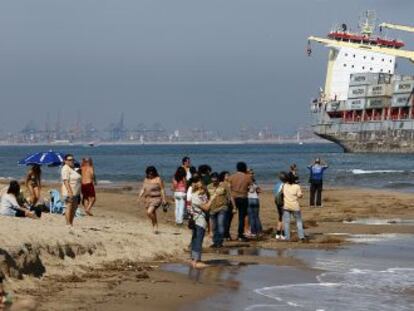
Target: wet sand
(117,273)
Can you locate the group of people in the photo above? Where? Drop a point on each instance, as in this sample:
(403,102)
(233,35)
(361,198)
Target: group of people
(210,199)
(77,187)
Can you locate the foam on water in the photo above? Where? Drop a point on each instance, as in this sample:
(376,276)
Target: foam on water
(376,221)
(373,238)
(104,182)
(355,289)
(361,172)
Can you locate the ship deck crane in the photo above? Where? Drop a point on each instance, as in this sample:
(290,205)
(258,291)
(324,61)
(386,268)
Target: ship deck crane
(397,27)
(372,48)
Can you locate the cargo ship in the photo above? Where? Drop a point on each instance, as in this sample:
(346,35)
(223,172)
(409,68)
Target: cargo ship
(365,106)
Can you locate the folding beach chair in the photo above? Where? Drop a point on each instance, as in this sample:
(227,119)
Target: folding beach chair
(56,204)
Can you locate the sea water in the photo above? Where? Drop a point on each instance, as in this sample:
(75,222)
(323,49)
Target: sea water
(127,163)
(375,273)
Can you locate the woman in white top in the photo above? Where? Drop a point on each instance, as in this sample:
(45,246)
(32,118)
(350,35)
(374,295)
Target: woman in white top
(71,187)
(254,208)
(9,205)
(291,195)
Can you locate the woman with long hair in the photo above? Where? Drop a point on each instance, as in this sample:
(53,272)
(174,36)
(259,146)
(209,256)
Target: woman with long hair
(9,205)
(153,194)
(179,186)
(88,185)
(33,183)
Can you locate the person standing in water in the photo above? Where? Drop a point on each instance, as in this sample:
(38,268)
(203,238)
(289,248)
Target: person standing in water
(71,188)
(33,184)
(153,194)
(316,171)
(200,205)
(88,185)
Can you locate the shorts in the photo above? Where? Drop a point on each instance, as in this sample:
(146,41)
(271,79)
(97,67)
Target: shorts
(76,198)
(88,191)
(280,212)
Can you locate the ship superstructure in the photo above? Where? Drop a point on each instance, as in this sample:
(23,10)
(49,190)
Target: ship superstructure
(365,106)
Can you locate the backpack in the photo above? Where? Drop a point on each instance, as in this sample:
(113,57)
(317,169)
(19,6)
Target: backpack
(279,199)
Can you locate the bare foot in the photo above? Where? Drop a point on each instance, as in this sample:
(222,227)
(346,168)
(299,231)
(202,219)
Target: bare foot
(88,213)
(199,265)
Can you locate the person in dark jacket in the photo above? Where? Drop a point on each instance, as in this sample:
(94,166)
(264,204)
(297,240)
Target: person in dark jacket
(316,171)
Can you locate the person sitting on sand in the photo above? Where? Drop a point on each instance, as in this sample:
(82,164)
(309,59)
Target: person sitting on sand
(9,205)
(279,202)
(218,208)
(179,186)
(71,188)
(200,206)
(291,195)
(88,185)
(33,184)
(153,194)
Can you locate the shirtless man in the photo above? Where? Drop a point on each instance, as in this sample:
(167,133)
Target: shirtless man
(88,188)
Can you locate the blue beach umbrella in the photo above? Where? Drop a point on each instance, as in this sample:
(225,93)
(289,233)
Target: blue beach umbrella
(49,158)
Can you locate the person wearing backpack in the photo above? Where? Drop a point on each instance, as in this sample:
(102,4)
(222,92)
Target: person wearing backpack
(279,202)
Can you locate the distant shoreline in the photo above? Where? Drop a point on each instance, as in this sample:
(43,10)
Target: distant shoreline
(186,143)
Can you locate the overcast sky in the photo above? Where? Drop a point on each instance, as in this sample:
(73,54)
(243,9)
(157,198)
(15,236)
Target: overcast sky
(184,63)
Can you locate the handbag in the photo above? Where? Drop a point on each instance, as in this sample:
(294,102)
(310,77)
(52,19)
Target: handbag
(191,222)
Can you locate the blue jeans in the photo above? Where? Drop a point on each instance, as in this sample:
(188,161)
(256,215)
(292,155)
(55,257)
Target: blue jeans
(197,242)
(299,223)
(254,219)
(229,218)
(180,202)
(218,221)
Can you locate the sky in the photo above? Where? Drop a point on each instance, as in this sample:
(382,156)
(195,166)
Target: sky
(218,64)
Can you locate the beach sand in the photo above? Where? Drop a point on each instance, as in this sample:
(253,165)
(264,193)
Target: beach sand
(111,261)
